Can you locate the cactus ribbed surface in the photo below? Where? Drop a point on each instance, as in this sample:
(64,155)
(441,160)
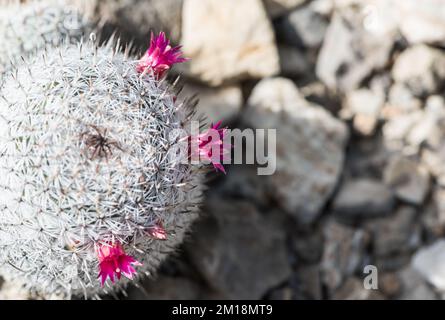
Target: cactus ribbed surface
(27,28)
(87,160)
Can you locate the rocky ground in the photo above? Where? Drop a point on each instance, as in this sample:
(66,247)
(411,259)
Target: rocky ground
(355,89)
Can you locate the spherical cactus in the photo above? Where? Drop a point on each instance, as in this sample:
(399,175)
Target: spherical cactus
(27,28)
(91,185)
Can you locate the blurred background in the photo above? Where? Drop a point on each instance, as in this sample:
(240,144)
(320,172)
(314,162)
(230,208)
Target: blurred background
(355,90)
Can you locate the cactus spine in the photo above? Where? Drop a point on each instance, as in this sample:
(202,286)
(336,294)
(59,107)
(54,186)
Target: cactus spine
(86,162)
(27,28)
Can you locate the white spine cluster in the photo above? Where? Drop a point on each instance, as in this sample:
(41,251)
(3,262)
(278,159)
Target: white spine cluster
(61,193)
(30,27)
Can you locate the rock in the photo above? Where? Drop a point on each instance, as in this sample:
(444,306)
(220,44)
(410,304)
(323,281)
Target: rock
(363,198)
(343,253)
(350,53)
(353,289)
(285,293)
(243,181)
(215,103)
(303,27)
(240,253)
(429,128)
(364,101)
(366,158)
(364,106)
(398,128)
(316,92)
(166,288)
(308,248)
(135,19)
(432,135)
(395,235)
(228,40)
(439,200)
(293,62)
(392,263)
(412,130)
(409,180)
(323,7)
(276,8)
(422,22)
(421,69)
(433,160)
(400,101)
(433,216)
(430,263)
(414,287)
(309,151)
(390,284)
(309,281)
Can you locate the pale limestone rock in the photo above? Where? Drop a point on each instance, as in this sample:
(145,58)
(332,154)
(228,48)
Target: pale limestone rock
(228,40)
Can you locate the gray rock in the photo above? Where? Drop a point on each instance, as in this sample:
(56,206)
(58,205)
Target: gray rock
(439,201)
(413,286)
(293,62)
(303,27)
(309,151)
(363,198)
(430,263)
(433,215)
(240,253)
(135,19)
(276,8)
(309,281)
(166,288)
(228,41)
(308,248)
(350,53)
(390,284)
(421,69)
(216,104)
(396,234)
(316,92)
(286,293)
(392,263)
(409,180)
(353,289)
(244,182)
(343,253)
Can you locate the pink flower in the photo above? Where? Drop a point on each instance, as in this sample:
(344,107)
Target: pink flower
(160,56)
(210,141)
(114,261)
(157,232)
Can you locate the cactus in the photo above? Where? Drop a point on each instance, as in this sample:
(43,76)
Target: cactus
(92,193)
(27,28)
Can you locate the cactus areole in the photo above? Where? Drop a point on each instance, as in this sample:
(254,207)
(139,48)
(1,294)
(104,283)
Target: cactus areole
(91,197)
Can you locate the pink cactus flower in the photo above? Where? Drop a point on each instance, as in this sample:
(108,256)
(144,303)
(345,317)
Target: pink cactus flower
(157,232)
(160,56)
(211,140)
(114,261)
